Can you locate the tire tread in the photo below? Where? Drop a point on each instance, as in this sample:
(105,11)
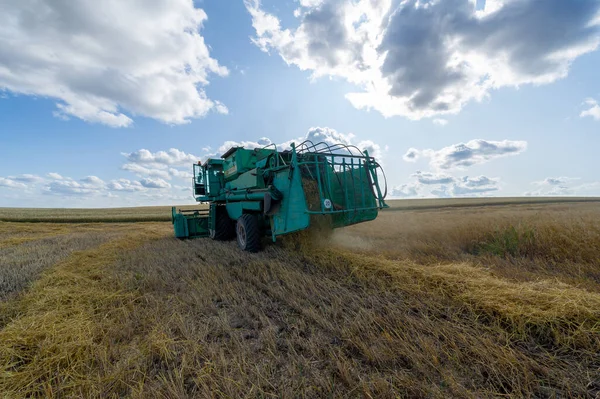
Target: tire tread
(250,223)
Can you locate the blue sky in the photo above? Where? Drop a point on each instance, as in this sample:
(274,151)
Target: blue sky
(110,107)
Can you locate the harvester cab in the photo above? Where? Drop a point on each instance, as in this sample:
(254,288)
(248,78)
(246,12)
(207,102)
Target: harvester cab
(250,193)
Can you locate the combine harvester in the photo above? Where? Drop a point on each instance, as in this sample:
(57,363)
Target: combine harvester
(256,192)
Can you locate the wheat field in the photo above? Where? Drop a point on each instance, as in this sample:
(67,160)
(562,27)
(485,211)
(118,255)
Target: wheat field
(163,213)
(467,301)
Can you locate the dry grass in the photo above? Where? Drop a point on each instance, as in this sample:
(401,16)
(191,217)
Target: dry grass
(28,249)
(478,302)
(436,203)
(90,215)
(522,242)
(163,213)
(23,263)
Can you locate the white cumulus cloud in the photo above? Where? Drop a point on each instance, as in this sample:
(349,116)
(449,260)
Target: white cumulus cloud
(143,171)
(564,186)
(67,186)
(164,165)
(105,62)
(410,190)
(432,178)
(593,109)
(181,174)
(556,181)
(261,142)
(55,176)
(427,58)
(467,186)
(154,183)
(173,156)
(10,183)
(125,185)
(437,185)
(27,178)
(314,135)
(466,154)
(93,181)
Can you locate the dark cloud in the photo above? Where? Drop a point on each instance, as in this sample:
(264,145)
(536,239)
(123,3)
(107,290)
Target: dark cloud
(554,181)
(432,178)
(473,152)
(421,58)
(417,55)
(326,33)
(411,155)
(528,32)
(423,36)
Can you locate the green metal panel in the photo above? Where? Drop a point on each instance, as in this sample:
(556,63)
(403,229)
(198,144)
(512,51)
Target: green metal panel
(292,215)
(236,209)
(197,226)
(246,195)
(214,178)
(249,179)
(212,217)
(190,223)
(180,226)
(239,160)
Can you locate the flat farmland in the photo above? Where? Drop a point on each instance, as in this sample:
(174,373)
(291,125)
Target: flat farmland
(163,213)
(434,299)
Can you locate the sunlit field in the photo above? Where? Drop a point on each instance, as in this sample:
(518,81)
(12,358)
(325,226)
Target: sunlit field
(163,213)
(432,299)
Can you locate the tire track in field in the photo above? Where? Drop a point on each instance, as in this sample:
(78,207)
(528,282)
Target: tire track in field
(48,346)
(426,312)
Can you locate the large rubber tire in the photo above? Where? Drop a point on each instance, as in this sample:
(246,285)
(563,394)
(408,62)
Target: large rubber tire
(225,227)
(248,233)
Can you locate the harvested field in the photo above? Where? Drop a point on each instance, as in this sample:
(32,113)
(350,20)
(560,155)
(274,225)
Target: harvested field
(86,215)
(472,302)
(163,213)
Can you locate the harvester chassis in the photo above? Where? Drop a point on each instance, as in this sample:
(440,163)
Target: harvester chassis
(260,192)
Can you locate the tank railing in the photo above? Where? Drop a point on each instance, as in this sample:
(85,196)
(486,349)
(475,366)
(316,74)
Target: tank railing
(337,149)
(279,159)
(308,146)
(346,170)
(267,147)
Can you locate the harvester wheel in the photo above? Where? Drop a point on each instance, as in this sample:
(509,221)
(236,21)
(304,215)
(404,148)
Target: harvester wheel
(225,227)
(248,233)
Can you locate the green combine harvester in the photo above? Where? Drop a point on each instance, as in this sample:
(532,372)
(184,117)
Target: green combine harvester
(252,193)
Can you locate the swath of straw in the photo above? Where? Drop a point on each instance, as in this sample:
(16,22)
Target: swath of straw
(54,341)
